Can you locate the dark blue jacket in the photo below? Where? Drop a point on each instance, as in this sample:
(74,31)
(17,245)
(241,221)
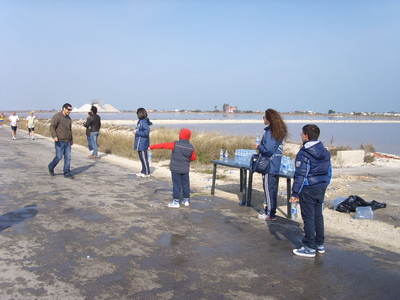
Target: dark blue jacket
(181,157)
(313,167)
(270,147)
(142,136)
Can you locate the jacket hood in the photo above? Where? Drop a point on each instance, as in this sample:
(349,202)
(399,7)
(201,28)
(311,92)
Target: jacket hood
(316,149)
(185,134)
(148,121)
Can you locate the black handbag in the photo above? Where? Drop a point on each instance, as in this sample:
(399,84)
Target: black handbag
(259,163)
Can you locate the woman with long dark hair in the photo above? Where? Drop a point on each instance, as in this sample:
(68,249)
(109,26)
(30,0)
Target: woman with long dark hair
(271,145)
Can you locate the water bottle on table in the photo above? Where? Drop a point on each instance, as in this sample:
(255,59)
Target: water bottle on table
(221,154)
(226,155)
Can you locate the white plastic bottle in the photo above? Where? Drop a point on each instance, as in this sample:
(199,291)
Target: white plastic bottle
(294,210)
(150,156)
(258,138)
(226,155)
(221,154)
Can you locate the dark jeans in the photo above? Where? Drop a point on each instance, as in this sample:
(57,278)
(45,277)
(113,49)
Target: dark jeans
(270,186)
(89,143)
(93,138)
(311,200)
(145,162)
(180,182)
(62,149)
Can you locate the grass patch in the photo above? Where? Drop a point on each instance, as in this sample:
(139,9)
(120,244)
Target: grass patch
(119,140)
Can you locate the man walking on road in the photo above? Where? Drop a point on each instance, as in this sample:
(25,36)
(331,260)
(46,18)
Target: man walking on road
(61,131)
(14,124)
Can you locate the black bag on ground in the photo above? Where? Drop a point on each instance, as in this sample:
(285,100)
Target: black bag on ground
(259,164)
(352,202)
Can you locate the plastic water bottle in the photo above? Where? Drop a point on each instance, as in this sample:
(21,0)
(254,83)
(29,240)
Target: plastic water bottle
(226,155)
(221,154)
(258,138)
(284,165)
(294,210)
(364,212)
(150,156)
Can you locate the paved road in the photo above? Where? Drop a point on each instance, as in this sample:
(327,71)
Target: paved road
(109,235)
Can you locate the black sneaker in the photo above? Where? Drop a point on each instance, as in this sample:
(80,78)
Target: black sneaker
(69,176)
(51,172)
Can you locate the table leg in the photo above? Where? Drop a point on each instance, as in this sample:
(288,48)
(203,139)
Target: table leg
(213,179)
(243,185)
(249,189)
(288,193)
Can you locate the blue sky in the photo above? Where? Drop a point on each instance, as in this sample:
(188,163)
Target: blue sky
(253,54)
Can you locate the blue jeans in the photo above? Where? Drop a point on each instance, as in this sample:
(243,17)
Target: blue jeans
(93,137)
(180,182)
(270,186)
(62,149)
(89,143)
(311,200)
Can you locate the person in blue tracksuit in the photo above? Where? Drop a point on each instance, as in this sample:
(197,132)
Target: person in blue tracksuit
(311,178)
(271,145)
(142,140)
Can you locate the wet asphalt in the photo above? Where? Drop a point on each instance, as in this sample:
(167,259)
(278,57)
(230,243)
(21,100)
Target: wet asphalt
(108,234)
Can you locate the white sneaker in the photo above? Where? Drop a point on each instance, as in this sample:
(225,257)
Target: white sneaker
(144,175)
(186,202)
(174,204)
(139,174)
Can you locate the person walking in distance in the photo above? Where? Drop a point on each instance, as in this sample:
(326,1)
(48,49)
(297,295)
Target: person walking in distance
(61,131)
(182,154)
(30,123)
(94,124)
(2,116)
(14,119)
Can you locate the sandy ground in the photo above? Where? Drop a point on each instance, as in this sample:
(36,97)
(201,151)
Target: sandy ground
(378,181)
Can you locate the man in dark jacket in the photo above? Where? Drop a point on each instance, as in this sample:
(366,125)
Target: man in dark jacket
(182,154)
(94,123)
(61,131)
(311,178)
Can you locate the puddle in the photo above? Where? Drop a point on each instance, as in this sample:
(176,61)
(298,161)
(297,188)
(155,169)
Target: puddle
(85,214)
(168,239)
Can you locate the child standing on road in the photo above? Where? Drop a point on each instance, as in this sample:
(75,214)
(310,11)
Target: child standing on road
(311,178)
(142,141)
(89,140)
(182,154)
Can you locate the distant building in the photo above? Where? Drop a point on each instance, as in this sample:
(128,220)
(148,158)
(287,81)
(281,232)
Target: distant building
(230,109)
